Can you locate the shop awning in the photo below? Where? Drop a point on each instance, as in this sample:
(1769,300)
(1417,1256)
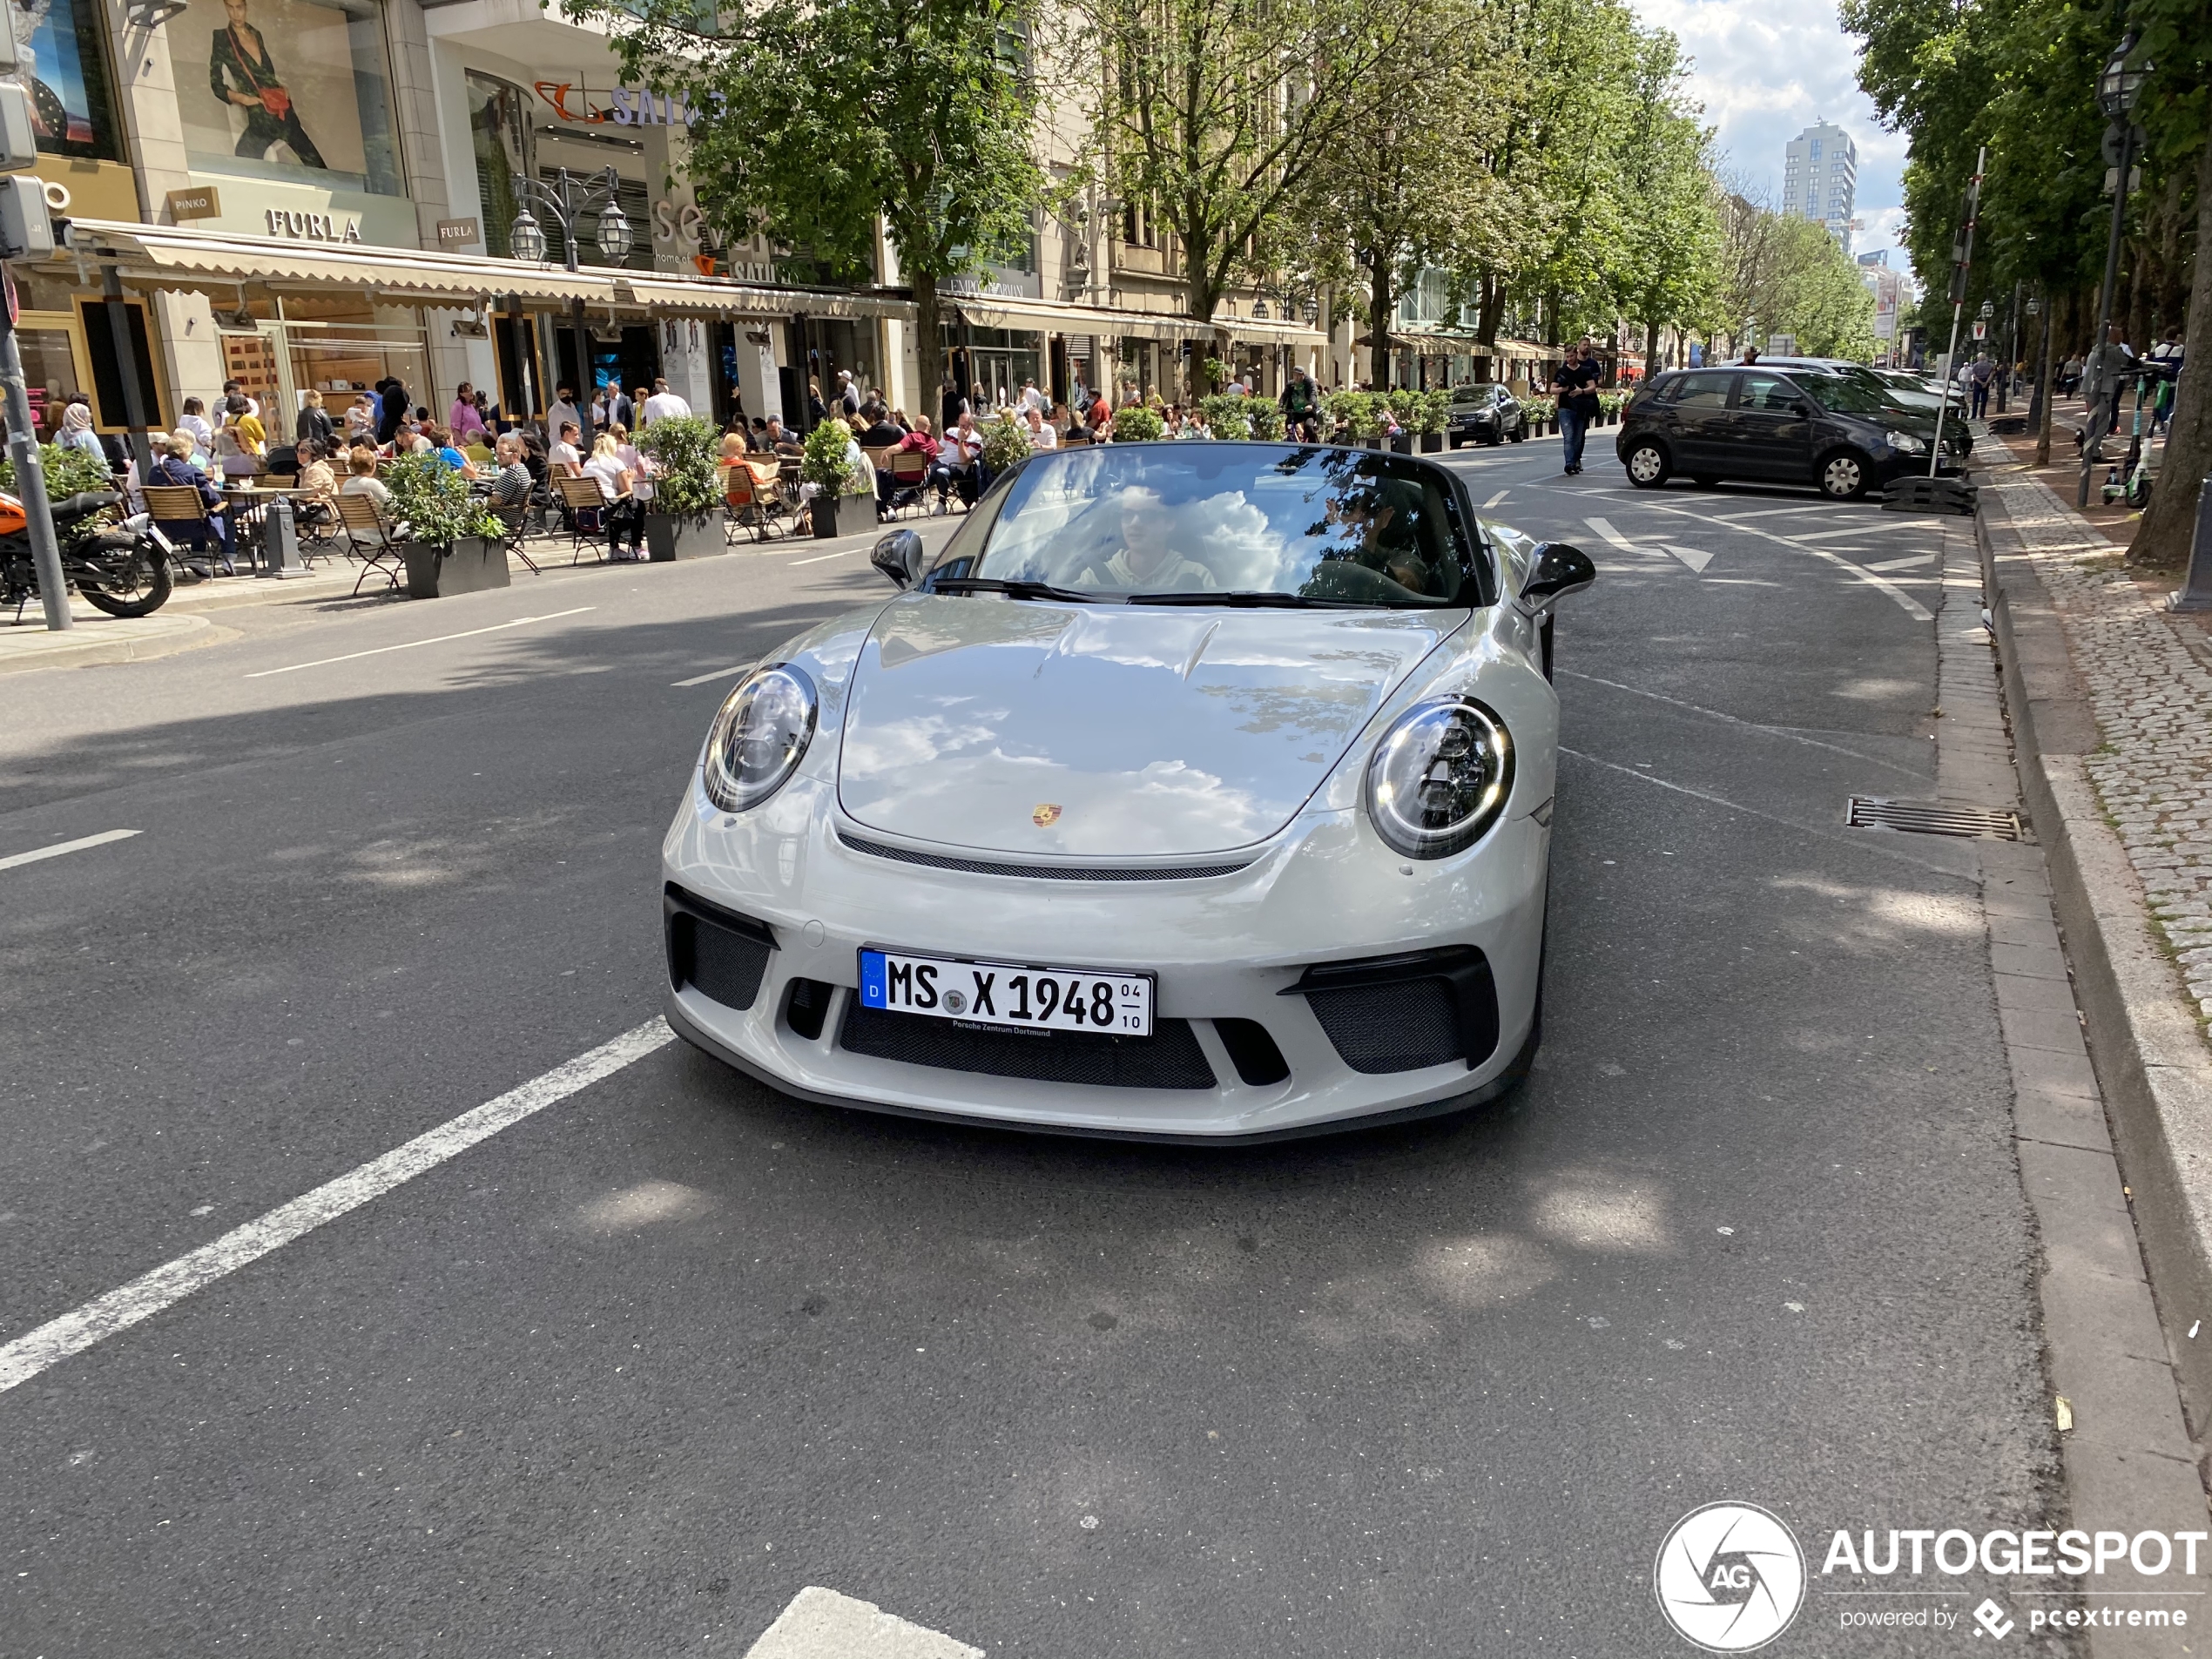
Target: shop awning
(1283,332)
(179,258)
(713,296)
(1016,311)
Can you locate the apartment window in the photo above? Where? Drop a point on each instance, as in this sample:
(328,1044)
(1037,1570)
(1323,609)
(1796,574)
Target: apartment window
(1137,229)
(1816,150)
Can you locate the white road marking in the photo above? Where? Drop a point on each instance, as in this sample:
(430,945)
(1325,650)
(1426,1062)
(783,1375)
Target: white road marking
(1690,555)
(440,639)
(1496,499)
(718,674)
(821,1624)
(819,557)
(1604,527)
(147,1294)
(1912,607)
(1731,719)
(1905,563)
(60,848)
(1775,512)
(1829,535)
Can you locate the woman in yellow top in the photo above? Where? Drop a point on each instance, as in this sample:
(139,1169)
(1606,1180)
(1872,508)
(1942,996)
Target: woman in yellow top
(253,436)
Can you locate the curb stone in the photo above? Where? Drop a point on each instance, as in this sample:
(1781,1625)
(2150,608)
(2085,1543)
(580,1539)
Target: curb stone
(2142,1034)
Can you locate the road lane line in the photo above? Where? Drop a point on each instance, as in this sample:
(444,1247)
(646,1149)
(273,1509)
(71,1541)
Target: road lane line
(1496,499)
(1829,535)
(147,1294)
(1604,527)
(822,1624)
(1775,512)
(60,848)
(466,633)
(1905,563)
(1690,555)
(1912,607)
(718,674)
(819,557)
(1733,719)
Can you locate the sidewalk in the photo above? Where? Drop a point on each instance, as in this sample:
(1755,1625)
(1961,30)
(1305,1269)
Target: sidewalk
(2109,697)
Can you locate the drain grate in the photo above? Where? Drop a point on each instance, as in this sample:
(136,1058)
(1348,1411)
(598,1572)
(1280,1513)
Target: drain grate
(1935,817)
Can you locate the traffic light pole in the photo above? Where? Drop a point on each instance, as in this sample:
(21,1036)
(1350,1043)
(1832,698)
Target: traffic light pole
(30,472)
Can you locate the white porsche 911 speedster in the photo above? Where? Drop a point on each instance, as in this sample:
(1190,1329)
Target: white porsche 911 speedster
(1193,792)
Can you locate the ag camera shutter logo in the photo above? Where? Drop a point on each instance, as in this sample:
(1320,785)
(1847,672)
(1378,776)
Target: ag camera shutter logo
(1729,1577)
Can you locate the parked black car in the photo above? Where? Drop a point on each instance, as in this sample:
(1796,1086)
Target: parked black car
(1485,413)
(1839,433)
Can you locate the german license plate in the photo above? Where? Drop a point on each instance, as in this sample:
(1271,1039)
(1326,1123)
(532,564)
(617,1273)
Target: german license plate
(1102,1002)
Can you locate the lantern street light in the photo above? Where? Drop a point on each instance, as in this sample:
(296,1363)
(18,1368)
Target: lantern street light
(2119,87)
(566,201)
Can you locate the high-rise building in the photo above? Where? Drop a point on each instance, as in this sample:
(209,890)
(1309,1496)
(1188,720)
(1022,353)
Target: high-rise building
(1820,179)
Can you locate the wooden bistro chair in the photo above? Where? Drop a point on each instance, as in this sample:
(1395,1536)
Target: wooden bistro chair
(583,501)
(909,479)
(373,538)
(750,503)
(181,505)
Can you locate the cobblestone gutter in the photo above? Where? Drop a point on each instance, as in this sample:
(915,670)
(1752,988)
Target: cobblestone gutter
(2149,686)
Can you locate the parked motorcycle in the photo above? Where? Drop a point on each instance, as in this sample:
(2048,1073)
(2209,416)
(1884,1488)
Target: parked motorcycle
(124,569)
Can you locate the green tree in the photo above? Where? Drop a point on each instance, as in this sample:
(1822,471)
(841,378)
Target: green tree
(1213,114)
(816,117)
(1669,261)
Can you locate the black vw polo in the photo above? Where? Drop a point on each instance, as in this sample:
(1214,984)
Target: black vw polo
(1839,433)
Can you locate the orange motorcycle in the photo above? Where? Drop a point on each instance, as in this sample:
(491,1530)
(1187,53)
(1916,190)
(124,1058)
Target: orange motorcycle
(122,568)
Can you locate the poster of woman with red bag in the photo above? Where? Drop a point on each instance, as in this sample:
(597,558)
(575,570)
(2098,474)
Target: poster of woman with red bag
(240,71)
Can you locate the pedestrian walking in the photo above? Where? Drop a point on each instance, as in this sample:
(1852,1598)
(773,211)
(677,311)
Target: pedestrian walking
(1575,386)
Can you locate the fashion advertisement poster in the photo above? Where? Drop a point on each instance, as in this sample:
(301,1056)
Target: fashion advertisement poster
(286,89)
(65,73)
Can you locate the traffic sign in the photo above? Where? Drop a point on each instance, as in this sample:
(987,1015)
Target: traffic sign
(1981,330)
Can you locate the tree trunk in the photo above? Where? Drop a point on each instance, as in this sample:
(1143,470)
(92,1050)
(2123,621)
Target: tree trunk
(2046,374)
(1651,350)
(1489,307)
(1381,303)
(2163,539)
(929,354)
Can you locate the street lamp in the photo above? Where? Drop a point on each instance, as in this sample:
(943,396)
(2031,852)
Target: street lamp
(566,201)
(2119,86)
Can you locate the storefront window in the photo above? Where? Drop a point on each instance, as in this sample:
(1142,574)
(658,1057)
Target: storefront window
(498,123)
(49,372)
(65,71)
(293,90)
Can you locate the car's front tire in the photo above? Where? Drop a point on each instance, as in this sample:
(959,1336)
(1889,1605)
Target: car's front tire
(1648,464)
(1845,475)
(1521,432)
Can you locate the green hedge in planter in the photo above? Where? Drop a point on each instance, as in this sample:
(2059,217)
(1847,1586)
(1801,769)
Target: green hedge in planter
(1434,413)
(685,448)
(1134,423)
(821,461)
(1268,421)
(433,500)
(1228,417)
(68,472)
(1360,410)
(1541,411)
(1005,440)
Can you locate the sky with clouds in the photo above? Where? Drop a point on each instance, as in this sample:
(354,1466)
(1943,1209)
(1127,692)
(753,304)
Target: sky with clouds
(1765,70)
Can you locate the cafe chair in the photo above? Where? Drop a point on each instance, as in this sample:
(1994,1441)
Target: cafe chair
(181,505)
(374,537)
(587,511)
(909,480)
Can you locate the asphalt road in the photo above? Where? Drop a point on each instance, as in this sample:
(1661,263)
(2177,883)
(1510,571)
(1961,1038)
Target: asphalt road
(623,1378)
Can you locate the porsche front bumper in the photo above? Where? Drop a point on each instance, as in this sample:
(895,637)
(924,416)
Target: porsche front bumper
(786,899)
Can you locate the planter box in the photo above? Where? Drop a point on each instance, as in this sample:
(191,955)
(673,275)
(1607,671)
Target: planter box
(1373,443)
(436,571)
(825,515)
(670,537)
(1402,444)
(1430,442)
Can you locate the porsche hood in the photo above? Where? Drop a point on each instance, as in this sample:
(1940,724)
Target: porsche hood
(1110,731)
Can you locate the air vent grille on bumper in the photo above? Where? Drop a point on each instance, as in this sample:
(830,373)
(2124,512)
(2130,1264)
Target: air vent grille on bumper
(1170,1058)
(719,954)
(1385,1014)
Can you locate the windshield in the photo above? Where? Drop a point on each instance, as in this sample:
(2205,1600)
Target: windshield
(1847,394)
(1486,394)
(1243,522)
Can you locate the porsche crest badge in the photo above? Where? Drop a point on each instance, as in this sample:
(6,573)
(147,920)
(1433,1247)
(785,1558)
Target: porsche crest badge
(1045,814)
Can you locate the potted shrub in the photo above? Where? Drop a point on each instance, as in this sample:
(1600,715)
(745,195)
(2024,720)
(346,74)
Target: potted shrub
(822,464)
(1006,440)
(1541,412)
(1435,411)
(1227,418)
(454,545)
(1134,423)
(1265,417)
(683,518)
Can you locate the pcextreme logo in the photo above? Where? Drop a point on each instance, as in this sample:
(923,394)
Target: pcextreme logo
(1729,1577)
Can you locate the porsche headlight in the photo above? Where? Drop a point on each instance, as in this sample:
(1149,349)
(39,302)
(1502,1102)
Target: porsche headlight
(1905,444)
(1440,778)
(760,737)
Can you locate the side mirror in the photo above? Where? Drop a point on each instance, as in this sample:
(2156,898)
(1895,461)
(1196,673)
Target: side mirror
(899,556)
(1557,572)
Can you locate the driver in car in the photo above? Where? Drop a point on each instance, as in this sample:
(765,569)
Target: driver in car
(1375,517)
(1146,561)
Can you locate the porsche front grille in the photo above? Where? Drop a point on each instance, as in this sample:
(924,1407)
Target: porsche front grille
(1052,871)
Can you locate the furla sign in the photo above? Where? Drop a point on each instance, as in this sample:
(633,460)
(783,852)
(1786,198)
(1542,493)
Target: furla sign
(314,227)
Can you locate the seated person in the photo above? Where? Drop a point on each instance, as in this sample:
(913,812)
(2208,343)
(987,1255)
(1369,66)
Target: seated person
(175,467)
(362,480)
(315,473)
(1146,561)
(236,462)
(512,483)
(566,457)
(781,442)
(1376,517)
(447,452)
(621,513)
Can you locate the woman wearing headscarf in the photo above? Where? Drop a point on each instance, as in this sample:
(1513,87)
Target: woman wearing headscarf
(76,433)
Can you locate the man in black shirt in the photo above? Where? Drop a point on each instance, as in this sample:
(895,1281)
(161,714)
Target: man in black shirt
(1576,386)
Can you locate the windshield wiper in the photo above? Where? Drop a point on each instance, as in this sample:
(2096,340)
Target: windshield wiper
(1013,588)
(1248,599)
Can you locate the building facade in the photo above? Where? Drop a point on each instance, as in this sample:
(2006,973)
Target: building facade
(1820,179)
